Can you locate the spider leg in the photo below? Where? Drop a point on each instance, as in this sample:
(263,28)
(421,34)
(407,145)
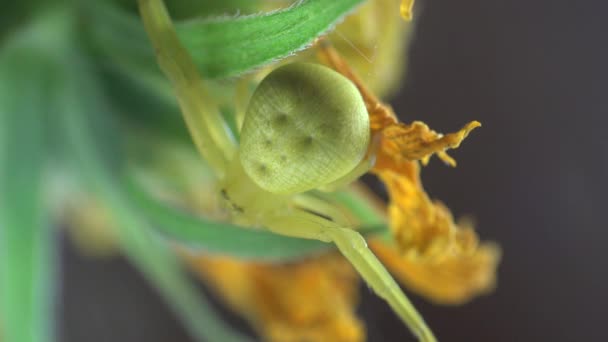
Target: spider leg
(207,127)
(321,207)
(352,245)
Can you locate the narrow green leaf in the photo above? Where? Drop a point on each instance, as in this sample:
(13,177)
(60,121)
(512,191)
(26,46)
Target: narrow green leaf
(221,47)
(186,8)
(81,101)
(218,237)
(138,105)
(120,43)
(229,46)
(210,236)
(27,246)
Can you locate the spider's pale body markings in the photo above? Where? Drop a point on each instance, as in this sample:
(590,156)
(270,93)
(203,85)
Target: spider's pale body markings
(306,127)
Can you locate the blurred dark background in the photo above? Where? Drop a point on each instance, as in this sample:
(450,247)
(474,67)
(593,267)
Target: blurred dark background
(535,74)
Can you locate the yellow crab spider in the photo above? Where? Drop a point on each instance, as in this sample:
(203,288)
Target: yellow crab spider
(306,127)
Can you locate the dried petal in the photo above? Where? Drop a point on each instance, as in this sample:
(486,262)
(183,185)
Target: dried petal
(454,278)
(417,141)
(431,254)
(313,300)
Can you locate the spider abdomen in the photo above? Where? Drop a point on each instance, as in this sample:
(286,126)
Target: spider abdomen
(306,126)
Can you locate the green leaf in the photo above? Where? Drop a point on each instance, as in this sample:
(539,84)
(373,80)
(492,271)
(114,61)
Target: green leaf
(221,47)
(27,239)
(119,42)
(185,8)
(208,236)
(220,238)
(229,46)
(82,102)
(142,109)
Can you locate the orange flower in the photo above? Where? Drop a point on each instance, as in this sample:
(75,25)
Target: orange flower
(432,254)
(455,278)
(417,223)
(312,300)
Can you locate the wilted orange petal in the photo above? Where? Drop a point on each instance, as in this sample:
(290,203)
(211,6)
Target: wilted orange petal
(418,224)
(453,279)
(417,141)
(312,300)
(431,254)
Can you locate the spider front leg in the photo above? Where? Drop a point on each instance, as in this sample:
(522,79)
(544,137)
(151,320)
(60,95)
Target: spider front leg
(319,206)
(352,245)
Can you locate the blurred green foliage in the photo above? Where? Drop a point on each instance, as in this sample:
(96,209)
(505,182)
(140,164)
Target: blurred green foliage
(80,98)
